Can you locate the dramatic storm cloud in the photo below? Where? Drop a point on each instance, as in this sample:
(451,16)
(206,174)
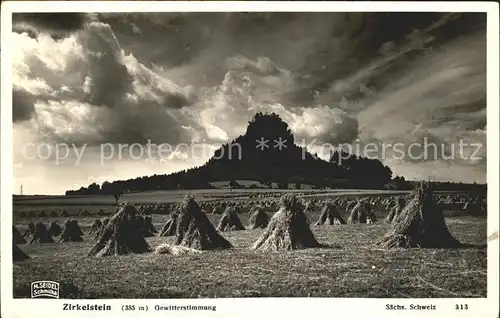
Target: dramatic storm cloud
(85,89)
(56,24)
(198,78)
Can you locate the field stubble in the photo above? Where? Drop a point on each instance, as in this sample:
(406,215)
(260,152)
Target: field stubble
(349,267)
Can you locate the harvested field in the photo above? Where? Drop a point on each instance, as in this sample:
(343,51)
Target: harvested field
(350,267)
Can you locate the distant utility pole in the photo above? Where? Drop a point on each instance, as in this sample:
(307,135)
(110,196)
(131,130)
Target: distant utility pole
(431,180)
(21,189)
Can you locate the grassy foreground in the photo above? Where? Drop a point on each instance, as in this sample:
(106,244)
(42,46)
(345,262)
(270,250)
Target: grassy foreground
(350,267)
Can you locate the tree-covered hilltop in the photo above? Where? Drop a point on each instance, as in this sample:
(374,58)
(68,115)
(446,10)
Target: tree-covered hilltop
(267,153)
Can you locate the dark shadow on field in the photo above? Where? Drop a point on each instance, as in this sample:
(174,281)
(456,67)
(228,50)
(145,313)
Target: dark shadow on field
(471,246)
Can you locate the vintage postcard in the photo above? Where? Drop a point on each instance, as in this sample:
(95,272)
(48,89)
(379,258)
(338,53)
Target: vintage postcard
(248,159)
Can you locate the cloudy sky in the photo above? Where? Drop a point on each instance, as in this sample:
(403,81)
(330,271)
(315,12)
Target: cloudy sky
(92,81)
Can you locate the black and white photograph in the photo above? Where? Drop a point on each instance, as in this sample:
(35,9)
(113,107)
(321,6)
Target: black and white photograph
(245,154)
